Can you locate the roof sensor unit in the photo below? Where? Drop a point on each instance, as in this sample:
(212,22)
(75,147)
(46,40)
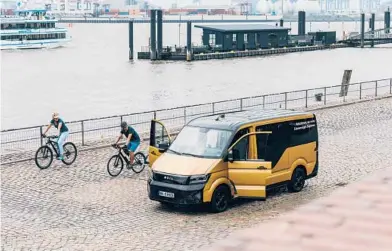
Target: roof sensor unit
(222,116)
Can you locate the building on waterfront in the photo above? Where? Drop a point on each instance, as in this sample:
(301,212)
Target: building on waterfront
(244,36)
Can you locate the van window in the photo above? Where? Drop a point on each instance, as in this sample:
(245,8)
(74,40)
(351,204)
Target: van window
(239,134)
(303,131)
(241,149)
(261,141)
(161,136)
(200,141)
(273,146)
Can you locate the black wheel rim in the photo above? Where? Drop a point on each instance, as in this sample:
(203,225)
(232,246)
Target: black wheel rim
(117,165)
(221,200)
(43,155)
(69,153)
(299,181)
(138,163)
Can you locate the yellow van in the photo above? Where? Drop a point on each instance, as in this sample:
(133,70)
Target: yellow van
(216,158)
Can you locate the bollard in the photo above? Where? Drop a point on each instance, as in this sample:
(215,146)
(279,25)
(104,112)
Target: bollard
(281,22)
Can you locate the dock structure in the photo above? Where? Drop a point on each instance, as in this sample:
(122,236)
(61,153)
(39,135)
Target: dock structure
(240,37)
(235,40)
(372,37)
(221,41)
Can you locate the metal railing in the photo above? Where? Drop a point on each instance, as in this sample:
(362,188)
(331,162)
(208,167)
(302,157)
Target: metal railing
(98,130)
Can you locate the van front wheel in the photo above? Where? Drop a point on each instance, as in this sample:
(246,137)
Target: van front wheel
(297,182)
(220,199)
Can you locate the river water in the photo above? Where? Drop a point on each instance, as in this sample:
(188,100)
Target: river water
(92,76)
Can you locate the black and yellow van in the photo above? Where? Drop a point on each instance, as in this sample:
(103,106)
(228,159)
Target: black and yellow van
(216,158)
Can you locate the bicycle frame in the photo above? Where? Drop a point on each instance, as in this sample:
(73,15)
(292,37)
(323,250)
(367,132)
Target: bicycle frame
(124,157)
(53,144)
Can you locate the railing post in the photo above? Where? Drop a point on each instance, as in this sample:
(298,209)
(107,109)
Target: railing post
(360,90)
(184,115)
(390,86)
(40,135)
(285,100)
(325,95)
(376,87)
(240,104)
(306,99)
(83,131)
(155,115)
(213,108)
(121,119)
(263,101)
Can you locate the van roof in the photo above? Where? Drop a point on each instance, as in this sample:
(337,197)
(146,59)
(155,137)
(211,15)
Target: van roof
(233,121)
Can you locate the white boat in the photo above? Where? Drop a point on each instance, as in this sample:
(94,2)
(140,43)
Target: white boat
(31,29)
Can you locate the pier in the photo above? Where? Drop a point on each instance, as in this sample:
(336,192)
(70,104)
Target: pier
(372,37)
(221,41)
(222,19)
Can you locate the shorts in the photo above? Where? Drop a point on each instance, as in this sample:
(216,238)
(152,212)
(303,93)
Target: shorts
(133,145)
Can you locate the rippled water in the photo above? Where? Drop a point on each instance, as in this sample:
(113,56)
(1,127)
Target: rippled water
(92,77)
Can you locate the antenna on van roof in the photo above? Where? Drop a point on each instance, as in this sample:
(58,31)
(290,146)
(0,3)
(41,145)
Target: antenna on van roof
(222,116)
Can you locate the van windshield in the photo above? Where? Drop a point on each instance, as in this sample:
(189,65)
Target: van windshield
(200,142)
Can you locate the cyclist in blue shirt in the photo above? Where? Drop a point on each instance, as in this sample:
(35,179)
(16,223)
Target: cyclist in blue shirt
(133,139)
(59,124)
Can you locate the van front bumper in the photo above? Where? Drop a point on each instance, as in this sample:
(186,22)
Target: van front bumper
(174,193)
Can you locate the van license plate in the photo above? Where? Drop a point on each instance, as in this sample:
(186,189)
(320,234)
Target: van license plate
(166,194)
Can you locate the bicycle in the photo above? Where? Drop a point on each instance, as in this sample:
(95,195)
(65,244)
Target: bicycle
(46,153)
(119,158)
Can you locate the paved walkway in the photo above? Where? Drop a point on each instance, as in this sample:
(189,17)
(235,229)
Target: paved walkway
(81,208)
(357,217)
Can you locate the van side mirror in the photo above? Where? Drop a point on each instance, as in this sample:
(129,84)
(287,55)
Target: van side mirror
(163,147)
(230,156)
(233,154)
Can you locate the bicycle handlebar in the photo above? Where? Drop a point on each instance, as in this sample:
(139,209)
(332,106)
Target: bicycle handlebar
(49,137)
(116,146)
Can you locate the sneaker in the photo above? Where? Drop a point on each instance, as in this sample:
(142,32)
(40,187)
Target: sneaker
(60,158)
(129,166)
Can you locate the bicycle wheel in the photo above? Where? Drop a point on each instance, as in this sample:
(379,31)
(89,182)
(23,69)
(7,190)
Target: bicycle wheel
(70,153)
(117,163)
(139,161)
(43,157)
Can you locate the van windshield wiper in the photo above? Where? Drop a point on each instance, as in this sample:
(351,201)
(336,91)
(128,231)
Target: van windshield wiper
(193,155)
(174,151)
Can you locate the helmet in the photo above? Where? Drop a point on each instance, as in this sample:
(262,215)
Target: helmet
(124,124)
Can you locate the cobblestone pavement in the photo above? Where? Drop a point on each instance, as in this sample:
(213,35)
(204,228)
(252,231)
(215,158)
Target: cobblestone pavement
(81,207)
(357,217)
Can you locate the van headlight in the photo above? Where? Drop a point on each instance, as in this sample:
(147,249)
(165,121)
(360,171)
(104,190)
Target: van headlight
(199,179)
(150,173)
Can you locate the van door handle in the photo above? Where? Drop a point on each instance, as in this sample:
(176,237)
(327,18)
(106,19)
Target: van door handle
(261,167)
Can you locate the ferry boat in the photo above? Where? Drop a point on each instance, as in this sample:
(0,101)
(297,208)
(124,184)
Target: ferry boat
(31,29)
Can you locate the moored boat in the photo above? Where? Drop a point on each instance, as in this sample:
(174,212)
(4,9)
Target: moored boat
(31,29)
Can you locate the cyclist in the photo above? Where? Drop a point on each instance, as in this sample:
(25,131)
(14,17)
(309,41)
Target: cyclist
(63,132)
(133,139)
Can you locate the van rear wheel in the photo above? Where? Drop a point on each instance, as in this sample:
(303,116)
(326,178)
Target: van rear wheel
(220,199)
(297,182)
